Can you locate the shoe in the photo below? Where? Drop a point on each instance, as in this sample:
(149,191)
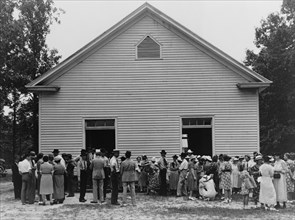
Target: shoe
(71,195)
(82,200)
(103,203)
(51,203)
(115,203)
(93,202)
(278,206)
(273,209)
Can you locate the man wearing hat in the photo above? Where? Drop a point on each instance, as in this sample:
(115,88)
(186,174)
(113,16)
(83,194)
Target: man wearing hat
(182,183)
(83,166)
(190,153)
(163,165)
(115,175)
(98,175)
(56,154)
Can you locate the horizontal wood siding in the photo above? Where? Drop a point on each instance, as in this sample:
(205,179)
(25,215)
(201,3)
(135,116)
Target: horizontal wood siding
(148,97)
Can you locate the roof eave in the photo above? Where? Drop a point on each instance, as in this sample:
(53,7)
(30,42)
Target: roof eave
(254,85)
(43,88)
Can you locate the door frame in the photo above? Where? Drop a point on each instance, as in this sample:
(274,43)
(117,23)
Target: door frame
(198,116)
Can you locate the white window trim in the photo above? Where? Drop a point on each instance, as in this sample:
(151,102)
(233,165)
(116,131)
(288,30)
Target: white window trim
(142,39)
(84,119)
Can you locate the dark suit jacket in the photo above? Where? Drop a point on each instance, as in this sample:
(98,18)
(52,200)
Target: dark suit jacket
(16,177)
(97,166)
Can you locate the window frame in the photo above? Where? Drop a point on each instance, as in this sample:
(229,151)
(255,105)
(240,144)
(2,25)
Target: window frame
(151,58)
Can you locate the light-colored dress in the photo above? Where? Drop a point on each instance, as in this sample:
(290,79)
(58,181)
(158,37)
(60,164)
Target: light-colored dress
(235,176)
(267,194)
(207,188)
(174,175)
(46,182)
(280,184)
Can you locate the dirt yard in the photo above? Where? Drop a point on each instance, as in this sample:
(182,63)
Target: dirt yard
(148,207)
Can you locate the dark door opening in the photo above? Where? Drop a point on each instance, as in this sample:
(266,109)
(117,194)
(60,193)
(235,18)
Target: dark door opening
(199,140)
(101,139)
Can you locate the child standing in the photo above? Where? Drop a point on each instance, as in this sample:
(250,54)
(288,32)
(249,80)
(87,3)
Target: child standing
(246,187)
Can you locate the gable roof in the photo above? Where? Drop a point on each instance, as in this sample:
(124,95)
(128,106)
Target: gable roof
(254,79)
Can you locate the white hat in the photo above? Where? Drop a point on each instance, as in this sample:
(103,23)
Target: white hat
(189,151)
(209,158)
(193,157)
(235,158)
(153,159)
(97,151)
(179,158)
(258,157)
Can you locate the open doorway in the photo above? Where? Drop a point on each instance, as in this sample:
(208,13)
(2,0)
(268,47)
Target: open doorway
(101,134)
(199,135)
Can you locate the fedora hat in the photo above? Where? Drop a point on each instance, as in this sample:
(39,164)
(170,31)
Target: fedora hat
(163,152)
(55,151)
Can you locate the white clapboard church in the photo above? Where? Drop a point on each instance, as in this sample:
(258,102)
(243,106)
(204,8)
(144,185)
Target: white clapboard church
(144,85)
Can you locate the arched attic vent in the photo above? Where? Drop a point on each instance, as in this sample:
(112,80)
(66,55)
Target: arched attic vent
(148,48)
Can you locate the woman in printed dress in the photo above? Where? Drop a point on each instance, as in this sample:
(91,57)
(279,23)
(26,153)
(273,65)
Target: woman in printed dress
(153,177)
(290,174)
(225,182)
(174,175)
(254,171)
(280,167)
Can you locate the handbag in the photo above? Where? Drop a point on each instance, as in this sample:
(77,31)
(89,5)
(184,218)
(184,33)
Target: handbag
(277,176)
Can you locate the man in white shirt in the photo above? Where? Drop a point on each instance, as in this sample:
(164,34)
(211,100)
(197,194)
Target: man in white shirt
(24,168)
(115,175)
(181,187)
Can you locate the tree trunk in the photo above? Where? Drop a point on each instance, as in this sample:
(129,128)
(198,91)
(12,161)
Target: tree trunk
(35,122)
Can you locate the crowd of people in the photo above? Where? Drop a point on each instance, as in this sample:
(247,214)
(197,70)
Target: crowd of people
(268,180)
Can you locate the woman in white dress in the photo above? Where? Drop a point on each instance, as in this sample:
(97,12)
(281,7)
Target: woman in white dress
(267,194)
(235,176)
(280,183)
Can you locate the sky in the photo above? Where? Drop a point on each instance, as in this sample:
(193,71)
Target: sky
(228,25)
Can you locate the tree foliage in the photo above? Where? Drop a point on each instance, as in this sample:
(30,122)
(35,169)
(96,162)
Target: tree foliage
(275,60)
(24,55)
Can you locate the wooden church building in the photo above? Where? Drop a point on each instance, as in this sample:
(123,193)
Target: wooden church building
(144,85)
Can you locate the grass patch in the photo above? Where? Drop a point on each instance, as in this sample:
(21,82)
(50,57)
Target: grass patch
(218,212)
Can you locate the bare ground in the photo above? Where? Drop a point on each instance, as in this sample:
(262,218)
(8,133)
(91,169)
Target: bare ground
(148,207)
